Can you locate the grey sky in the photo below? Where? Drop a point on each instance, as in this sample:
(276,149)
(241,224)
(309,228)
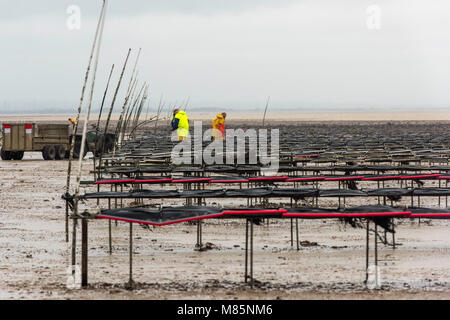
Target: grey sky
(234,53)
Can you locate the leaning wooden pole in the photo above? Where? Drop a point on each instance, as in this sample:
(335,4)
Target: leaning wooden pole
(139,111)
(137,114)
(148,110)
(160,106)
(111,109)
(141,105)
(80,160)
(74,231)
(187,104)
(75,127)
(134,107)
(86,121)
(104,97)
(129,103)
(88,112)
(265,111)
(97,128)
(119,124)
(130,112)
(123,114)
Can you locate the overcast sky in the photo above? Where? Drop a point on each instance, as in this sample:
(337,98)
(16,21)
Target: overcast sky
(233,53)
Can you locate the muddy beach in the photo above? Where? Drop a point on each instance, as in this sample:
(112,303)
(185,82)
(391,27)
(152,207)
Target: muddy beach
(236,150)
(34,258)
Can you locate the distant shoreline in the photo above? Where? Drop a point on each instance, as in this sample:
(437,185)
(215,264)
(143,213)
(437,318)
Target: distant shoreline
(271,116)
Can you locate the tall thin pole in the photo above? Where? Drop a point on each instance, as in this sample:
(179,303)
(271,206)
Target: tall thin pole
(75,127)
(130,113)
(251,253)
(139,111)
(112,107)
(292,232)
(367,251)
(128,104)
(84,252)
(74,231)
(119,124)
(246,250)
(130,280)
(265,111)
(88,112)
(97,128)
(104,97)
(376,256)
(134,106)
(187,103)
(160,106)
(148,110)
(83,142)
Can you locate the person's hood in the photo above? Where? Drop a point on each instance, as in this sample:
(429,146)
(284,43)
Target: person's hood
(219,116)
(181,113)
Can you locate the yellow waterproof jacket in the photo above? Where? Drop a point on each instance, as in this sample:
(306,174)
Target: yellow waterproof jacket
(218,127)
(183,124)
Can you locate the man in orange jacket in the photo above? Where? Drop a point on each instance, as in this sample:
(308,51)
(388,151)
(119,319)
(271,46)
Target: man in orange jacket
(218,126)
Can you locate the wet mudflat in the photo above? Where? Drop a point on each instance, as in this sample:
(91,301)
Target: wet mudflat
(329,265)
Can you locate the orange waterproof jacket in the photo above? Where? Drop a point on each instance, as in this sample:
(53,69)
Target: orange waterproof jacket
(218,127)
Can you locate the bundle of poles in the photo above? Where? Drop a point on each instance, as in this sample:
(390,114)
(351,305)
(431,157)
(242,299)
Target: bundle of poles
(128,123)
(129,118)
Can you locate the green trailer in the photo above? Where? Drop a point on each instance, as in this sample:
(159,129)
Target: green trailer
(52,139)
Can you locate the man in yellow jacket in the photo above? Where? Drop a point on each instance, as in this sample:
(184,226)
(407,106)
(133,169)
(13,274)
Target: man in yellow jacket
(218,126)
(180,122)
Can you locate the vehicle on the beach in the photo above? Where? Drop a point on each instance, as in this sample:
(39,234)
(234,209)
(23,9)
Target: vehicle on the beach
(52,139)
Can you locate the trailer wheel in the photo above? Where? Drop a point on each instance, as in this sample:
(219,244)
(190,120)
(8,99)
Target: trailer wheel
(49,153)
(60,152)
(17,155)
(109,144)
(6,155)
(76,151)
(44,154)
